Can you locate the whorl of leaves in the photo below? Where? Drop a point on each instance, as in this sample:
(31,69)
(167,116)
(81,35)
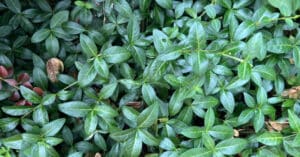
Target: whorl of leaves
(167,78)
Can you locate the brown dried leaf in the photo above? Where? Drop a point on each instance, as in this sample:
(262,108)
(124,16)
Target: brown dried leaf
(278,125)
(97,155)
(236,133)
(292,93)
(54,67)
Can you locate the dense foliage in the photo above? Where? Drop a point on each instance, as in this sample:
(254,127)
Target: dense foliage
(206,78)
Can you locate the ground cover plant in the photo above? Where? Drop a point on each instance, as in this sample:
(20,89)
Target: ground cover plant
(168,78)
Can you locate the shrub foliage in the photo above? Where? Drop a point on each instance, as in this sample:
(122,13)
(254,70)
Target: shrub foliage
(207,78)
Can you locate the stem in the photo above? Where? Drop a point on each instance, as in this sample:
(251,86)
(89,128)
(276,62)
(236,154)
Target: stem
(70,85)
(2,79)
(232,57)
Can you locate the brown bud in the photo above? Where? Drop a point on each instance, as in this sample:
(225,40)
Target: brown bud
(15,96)
(21,103)
(54,67)
(24,77)
(27,84)
(38,90)
(27,103)
(3,72)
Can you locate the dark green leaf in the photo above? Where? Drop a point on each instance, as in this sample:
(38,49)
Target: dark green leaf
(88,46)
(231,146)
(53,127)
(294,121)
(40,35)
(167,4)
(86,75)
(59,18)
(30,95)
(270,138)
(13,5)
(148,116)
(116,54)
(75,108)
(227,101)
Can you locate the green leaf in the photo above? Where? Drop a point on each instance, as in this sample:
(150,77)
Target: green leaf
(75,108)
(100,142)
(209,119)
(160,40)
(265,72)
(192,132)
(296,56)
(53,127)
(167,144)
(123,135)
(166,4)
(197,152)
(88,46)
(221,132)
(52,45)
(40,35)
(250,102)
(197,36)
(171,53)
(133,29)
(244,71)
(133,146)
(279,45)
(13,5)
(208,141)
(262,97)
(107,90)
(40,79)
(231,146)
(90,122)
(40,115)
(13,142)
(245,29)
(205,101)
(30,95)
(285,7)
(8,124)
(227,101)
(246,116)
(59,18)
(148,93)
(53,141)
(86,75)
(105,111)
(101,67)
(270,138)
(116,54)
(73,27)
(123,8)
(148,138)
(294,121)
(256,46)
(259,120)
(16,110)
(148,116)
